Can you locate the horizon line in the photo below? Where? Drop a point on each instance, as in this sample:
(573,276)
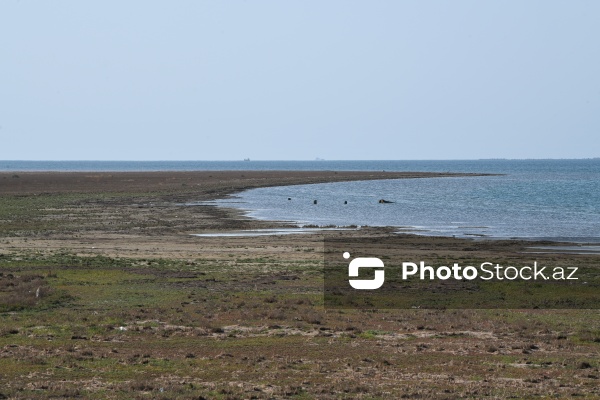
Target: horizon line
(311,160)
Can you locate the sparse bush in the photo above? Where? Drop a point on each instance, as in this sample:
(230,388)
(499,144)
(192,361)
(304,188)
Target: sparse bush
(271,299)
(20,292)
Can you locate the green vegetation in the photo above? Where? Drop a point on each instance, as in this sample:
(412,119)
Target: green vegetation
(164,328)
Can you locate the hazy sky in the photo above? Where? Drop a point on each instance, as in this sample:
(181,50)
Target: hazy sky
(278,80)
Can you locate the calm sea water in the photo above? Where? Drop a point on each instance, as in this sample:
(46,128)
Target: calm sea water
(547,199)
(553,199)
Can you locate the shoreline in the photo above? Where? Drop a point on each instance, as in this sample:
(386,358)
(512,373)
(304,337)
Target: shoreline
(217,183)
(141,214)
(138,195)
(132,191)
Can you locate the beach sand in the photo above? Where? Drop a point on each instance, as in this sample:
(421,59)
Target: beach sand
(131,305)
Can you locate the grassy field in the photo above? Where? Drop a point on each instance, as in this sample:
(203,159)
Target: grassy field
(105,296)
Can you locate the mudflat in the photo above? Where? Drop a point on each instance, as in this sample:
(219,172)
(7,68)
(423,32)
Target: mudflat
(105,293)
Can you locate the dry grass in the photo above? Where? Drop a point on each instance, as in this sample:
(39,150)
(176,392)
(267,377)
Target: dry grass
(18,292)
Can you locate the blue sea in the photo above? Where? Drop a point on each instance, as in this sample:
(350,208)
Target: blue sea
(550,199)
(532,199)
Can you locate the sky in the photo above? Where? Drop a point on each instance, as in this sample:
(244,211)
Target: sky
(296,80)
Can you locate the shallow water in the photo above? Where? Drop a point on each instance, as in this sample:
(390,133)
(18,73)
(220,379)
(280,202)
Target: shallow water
(265,232)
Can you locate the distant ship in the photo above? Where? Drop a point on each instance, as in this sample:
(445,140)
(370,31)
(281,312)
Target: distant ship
(246,159)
